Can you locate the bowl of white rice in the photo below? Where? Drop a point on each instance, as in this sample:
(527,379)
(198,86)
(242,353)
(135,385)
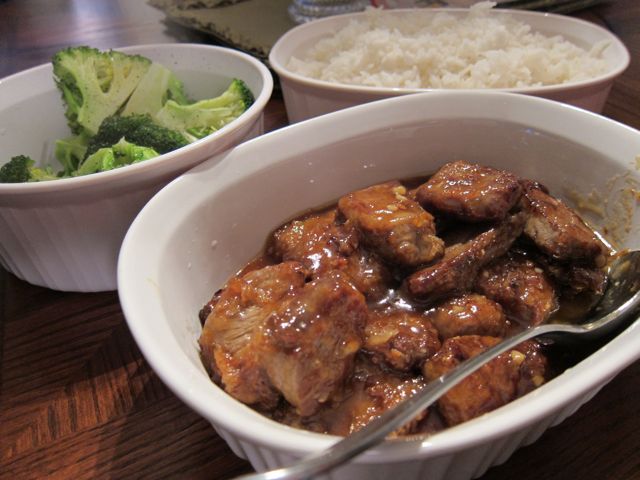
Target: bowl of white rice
(346,60)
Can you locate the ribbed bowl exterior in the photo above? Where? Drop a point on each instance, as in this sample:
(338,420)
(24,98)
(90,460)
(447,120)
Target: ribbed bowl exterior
(69,246)
(71,241)
(461,465)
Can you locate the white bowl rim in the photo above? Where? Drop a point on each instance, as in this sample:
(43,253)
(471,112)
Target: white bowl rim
(594,372)
(283,71)
(117,174)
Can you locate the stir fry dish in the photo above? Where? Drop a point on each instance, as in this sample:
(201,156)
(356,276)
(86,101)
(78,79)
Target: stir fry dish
(351,308)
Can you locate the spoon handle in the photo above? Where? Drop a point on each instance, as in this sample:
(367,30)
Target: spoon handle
(378,429)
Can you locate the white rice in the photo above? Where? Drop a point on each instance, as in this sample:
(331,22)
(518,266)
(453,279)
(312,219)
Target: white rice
(442,51)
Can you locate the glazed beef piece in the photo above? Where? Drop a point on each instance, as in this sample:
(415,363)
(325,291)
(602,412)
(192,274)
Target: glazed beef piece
(469,314)
(575,279)
(374,392)
(207,308)
(521,287)
(379,396)
(455,273)
(400,339)
(368,274)
(505,378)
(231,338)
(316,241)
(470,192)
(558,231)
(310,341)
(391,224)
(322,245)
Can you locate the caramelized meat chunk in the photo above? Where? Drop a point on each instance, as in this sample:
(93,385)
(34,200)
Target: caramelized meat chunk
(376,393)
(574,279)
(397,228)
(558,231)
(400,339)
(369,274)
(207,308)
(505,378)
(455,273)
(521,287)
(231,337)
(316,241)
(470,192)
(311,339)
(372,390)
(322,245)
(469,314)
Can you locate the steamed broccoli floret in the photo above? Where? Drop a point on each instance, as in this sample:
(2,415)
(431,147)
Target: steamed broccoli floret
(124,109)
(137,129)
(120,154)
(22,168)
(95,84)
(176,91)
(157,86)
(101,161)
(70,152)
(199,119)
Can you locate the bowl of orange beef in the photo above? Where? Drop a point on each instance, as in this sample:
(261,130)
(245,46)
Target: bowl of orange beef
(314,277)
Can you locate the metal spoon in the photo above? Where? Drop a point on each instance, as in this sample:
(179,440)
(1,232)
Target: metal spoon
(620,299)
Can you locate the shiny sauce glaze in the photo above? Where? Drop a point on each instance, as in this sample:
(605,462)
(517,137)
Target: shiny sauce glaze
(351,308)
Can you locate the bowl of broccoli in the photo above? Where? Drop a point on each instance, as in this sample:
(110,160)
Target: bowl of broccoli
(89,138)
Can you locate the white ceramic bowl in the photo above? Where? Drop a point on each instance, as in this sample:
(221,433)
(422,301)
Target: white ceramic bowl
(306,97)
(223,210)
(66,234)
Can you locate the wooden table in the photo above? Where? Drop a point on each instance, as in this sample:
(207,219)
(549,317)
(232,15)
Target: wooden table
(77,400)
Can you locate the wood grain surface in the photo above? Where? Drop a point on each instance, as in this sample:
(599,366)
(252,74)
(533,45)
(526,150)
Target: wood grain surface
(77,399)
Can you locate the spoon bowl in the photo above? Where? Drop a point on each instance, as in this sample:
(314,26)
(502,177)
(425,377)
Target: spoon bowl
(620,299)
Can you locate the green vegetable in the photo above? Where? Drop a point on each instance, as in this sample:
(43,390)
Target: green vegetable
(157,86)
(21,168)
(124,109)
(95,84)
(202,118)
(121,154)
(70,152)
(138,129)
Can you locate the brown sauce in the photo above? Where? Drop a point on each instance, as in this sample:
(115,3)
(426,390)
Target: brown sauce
(396,348)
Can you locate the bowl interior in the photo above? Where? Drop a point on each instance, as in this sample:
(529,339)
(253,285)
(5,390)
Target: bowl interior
(223,214)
